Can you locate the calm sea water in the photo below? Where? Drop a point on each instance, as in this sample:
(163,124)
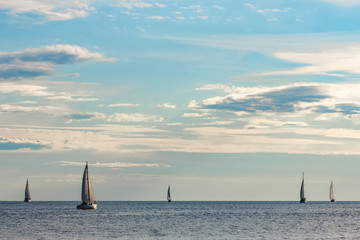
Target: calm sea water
(180,220)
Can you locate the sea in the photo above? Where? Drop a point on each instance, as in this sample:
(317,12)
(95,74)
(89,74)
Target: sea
(180,220)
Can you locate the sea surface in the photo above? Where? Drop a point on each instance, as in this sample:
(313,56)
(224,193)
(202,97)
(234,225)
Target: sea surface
(180,220)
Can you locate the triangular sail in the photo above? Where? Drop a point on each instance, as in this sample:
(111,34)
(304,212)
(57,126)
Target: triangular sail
(331,191)
(168,194)
(87,195)
(27,191)
(302,189)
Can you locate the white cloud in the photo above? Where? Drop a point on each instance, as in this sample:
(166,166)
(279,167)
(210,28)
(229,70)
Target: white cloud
(275,123)
(272,19)
(218,7)
(157,17)
(110,164)
(222,87)
(23,141)
(166,105)
(196,115)
(140,29)
(24,89)
(191,7)
(268,10)
(53,91)
(35,62)
(56,54)
(124,105)
(217,123)
(203,17)
(299,98)
(113,138)
(330,59)
(346,3)
(51,10)
(134,4)
(134,117)
(49,110)
(249,5)
(160,5)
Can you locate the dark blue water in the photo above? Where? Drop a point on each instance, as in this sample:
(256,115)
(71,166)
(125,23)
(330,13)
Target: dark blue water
(180,220)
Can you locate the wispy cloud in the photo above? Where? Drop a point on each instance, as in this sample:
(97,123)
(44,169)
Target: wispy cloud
(157,17)
(300,97)
(24,89)
(53,91)
(272,19)
(196,115)
(41,61)
(218,7)
(10,108)
(110,164)
(134,117)
(194,6)
(166,105)
(21,143)
(268,10)
(134,4)
(123,105)
(249,5)
(345,3)
(85,116)
(331,59)
(160,5)
(289,138)
(51,10)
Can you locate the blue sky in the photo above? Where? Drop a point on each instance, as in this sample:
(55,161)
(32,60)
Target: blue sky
(224,100)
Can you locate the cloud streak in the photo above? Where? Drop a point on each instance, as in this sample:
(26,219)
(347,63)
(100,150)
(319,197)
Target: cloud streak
(36,62)
(294,98)
(51,10)
(111,164)
(330,60)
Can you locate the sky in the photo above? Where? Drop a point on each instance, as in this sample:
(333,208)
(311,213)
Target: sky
(223,100)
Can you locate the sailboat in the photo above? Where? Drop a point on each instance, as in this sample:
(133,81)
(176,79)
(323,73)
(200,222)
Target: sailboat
(168,195)
(332,199)
(302,191)
(27,192)
(87,195)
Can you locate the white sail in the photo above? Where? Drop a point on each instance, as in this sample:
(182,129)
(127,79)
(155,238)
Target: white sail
(87,195)
(27,192)
(168,194)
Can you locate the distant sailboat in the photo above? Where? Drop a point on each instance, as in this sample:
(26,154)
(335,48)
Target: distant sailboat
(332,199)
(302,191)
(27,192)
(87,196)
(168,195)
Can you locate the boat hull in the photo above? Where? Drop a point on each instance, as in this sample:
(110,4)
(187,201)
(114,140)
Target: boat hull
(303,200)
(87,206)
(332,200)
(27,200)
